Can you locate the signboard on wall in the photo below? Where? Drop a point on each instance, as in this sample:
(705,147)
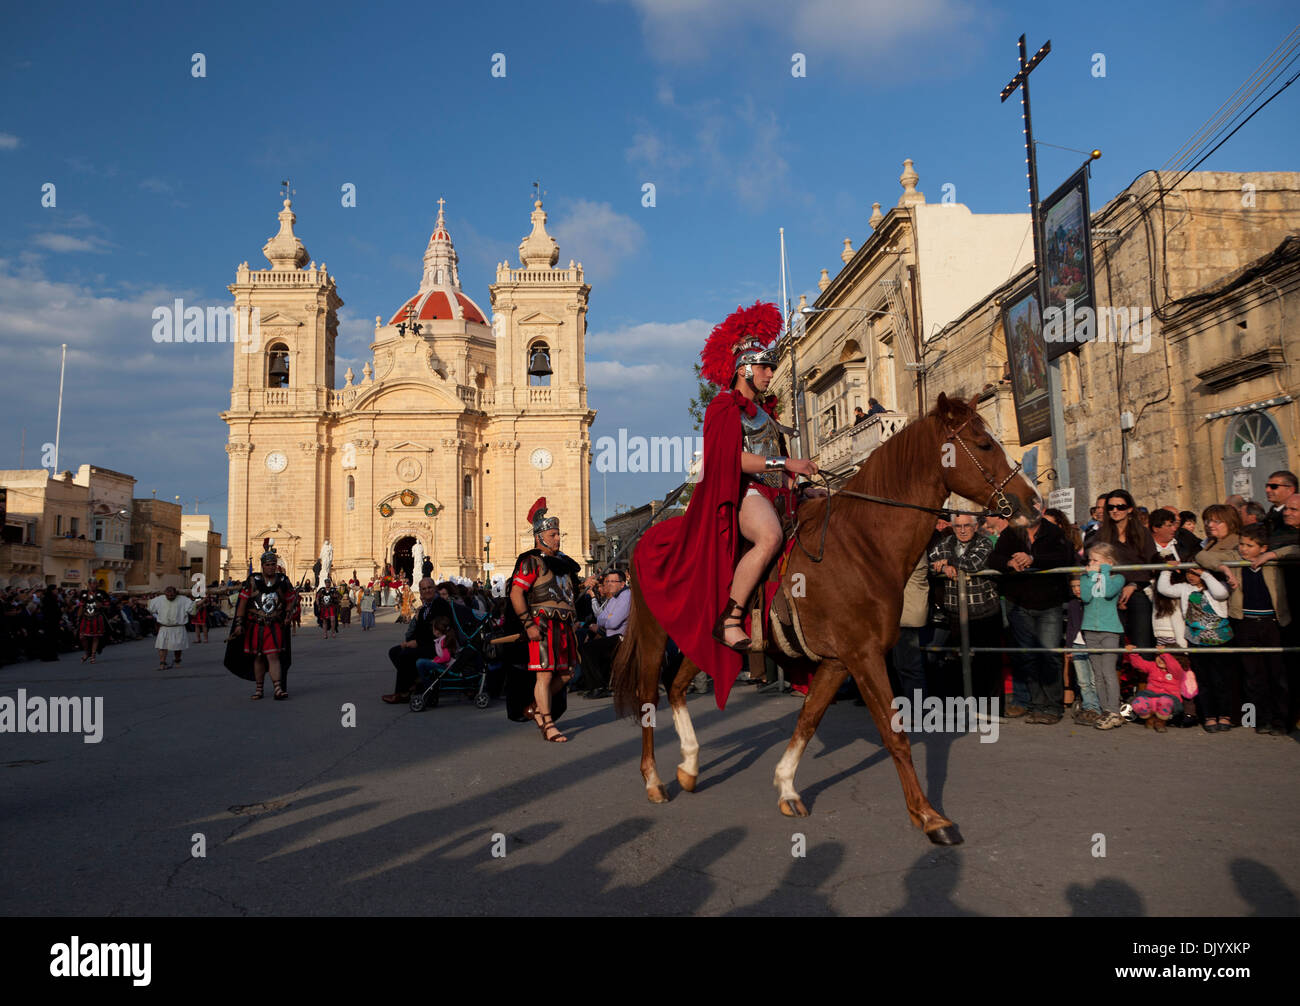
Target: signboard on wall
(1022,325)
(1069,308)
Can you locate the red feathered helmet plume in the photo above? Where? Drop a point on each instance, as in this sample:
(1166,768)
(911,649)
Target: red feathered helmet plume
(269,554)
(538,519)
(743,337)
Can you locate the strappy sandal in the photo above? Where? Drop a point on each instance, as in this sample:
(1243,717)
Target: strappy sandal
(727,621)
(548,723)
(280,693)
(258,693)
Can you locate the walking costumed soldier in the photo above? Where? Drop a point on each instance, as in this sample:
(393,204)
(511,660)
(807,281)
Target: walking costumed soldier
(260,641)
(542,591)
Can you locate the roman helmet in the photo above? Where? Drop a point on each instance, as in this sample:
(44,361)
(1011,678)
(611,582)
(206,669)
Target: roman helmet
(538,519)
(744,339)
(269,553)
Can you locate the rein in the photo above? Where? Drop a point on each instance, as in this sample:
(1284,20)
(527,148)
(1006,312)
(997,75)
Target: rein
(1004,505)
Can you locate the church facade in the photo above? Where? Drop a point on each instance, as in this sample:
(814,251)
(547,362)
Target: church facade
(444,440)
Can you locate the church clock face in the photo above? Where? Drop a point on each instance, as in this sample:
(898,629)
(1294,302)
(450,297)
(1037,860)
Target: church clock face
(540,459)
(276,462)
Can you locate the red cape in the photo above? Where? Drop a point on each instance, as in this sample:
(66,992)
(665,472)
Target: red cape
(685,564)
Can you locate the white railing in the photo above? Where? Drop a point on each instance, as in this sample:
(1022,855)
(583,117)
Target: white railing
(277,396)
(854,444)
(540,276)
(539,394)
(342,398)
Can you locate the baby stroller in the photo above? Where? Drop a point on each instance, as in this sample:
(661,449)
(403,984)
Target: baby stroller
(466,672)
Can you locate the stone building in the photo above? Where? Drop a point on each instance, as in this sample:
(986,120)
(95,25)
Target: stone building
(1188,392)
(49,517)
(444,440)
(110,516)
(200,547)
(862,338)
(156,547)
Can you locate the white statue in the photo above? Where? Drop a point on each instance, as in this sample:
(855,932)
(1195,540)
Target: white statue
(417,563)
(326,560)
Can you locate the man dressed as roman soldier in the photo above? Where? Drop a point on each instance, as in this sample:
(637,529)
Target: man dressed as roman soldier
(327,603)
(259,635)
(744,493)
(542,592)
(92,607)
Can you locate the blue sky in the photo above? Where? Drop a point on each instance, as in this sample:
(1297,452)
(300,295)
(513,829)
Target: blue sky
(165,182)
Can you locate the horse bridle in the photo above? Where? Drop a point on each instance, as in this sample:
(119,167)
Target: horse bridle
(1005,508)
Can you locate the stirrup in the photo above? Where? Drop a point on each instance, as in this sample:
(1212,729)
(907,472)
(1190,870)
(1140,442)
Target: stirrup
(725,621)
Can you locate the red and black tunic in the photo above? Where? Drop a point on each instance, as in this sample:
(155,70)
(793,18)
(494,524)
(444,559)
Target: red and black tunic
(90,613)
(549,589)
(265,613)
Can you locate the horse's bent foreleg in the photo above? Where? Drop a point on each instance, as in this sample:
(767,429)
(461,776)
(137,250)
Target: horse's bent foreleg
(873,681)
(689,768)
(648,693)
(825,683)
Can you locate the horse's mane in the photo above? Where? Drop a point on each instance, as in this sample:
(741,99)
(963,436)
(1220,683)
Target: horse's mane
(895,468)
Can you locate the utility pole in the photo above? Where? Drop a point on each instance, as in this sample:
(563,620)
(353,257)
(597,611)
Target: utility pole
(1060,460)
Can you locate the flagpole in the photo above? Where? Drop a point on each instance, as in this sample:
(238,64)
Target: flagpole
(794,377)
(58,423)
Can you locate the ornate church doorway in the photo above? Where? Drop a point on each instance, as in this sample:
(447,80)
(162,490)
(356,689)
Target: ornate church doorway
(402,561)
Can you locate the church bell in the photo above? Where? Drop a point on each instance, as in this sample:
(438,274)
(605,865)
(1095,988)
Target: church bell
(280,369)
(540,364)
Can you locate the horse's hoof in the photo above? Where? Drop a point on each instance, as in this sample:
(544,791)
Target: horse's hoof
(793,808)
(945,835)
(687,782)
(657,794)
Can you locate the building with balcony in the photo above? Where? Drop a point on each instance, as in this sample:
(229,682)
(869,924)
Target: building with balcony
(864,335)
(110,517)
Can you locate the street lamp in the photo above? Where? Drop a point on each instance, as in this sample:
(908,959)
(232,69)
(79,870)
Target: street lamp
(487,556)
(613,558)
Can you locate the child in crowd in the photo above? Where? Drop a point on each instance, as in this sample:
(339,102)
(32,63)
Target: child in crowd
(1203,602)
(1099,591)
(1264,614)
(444,643)
(1168,683)
(1089,713)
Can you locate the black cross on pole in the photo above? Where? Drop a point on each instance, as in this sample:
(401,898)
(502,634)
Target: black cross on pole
(1056,408)
(1021,80)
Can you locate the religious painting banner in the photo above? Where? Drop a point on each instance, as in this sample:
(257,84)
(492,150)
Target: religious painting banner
(1069,309)
(1022,323)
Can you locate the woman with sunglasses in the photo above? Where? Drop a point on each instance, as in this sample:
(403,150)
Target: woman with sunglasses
(1133,545)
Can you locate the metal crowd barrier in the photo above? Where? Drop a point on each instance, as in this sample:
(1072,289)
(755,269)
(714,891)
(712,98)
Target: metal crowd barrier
(963,619)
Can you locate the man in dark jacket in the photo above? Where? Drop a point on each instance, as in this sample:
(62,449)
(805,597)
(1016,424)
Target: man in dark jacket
(1035,613)
(418,642)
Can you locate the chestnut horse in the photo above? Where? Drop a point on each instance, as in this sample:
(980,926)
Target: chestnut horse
(851,563)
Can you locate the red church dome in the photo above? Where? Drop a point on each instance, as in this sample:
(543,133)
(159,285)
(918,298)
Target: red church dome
(440,304)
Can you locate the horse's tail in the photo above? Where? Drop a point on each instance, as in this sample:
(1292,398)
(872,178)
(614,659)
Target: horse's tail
(635,677)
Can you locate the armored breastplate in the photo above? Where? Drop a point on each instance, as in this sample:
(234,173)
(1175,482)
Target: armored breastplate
(267,600)
(551,595)
(89,604)
(761,436)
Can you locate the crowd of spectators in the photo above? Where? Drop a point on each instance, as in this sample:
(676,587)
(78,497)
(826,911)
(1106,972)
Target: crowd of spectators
(1247,565)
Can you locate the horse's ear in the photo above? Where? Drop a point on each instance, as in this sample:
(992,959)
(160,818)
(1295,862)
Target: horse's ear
(944,407)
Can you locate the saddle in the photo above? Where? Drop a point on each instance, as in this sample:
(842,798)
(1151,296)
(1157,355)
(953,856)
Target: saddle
(771,613)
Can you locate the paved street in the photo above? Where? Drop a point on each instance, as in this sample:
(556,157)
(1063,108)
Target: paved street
(396,815)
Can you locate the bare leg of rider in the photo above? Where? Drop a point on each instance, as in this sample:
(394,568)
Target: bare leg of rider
(759,524)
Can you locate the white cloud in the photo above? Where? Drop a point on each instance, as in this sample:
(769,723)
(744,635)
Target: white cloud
(8,141)
(156,185)
(863,36)
(736,148)
(652,340)
(67,243)
(597,236)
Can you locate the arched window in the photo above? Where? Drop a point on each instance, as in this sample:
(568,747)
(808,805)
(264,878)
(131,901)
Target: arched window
(539,365)
(352,492)
(1254,447)
(277,366)
(469,492)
